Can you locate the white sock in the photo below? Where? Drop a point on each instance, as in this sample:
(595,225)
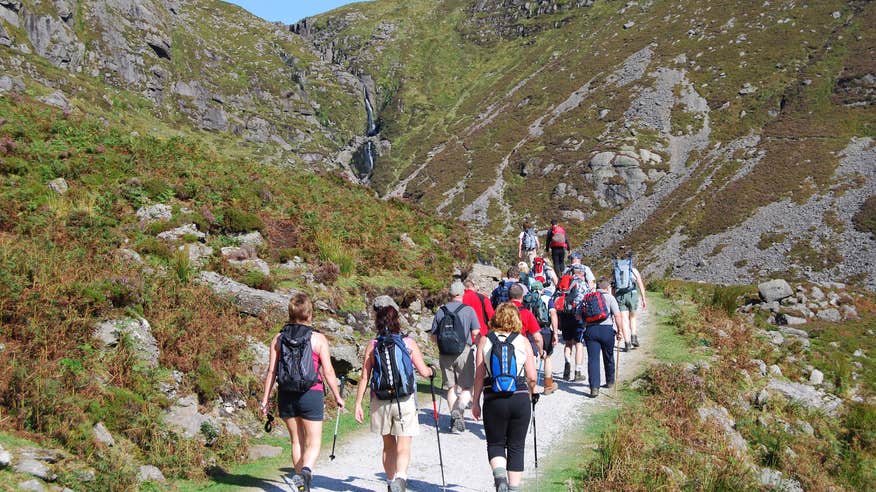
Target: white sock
(580,368)
(402,476)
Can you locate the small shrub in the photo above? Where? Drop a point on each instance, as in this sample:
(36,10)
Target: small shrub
(207,382)
(182,266)
(154,246)
(237,221)
(258,280)
(327,273)
(865,218)
(157,189)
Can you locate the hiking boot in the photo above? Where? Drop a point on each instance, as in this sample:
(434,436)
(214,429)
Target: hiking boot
(579,376)
(625,348)
(594,392)
(549,386)
(298,483)
(398,485)
(635,341)
(457,424)
(566,370)
(307,475)
(501,484)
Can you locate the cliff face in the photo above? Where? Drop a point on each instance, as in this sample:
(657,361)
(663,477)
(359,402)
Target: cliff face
(207,62)
(719,143)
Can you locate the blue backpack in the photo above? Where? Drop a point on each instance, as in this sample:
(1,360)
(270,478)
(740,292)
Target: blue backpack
(392,376)
(500,293)
(503,364)
(623,275)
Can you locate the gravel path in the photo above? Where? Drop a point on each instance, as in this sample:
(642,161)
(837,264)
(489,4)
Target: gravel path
(357,467)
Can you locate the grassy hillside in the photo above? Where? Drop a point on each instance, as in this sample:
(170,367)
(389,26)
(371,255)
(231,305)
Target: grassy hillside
(495,127)
(61,274)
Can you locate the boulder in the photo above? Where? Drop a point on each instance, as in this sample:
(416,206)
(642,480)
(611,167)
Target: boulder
(817,294)
(103,436)
(56,99)
(197,253)
(831,314)
(382,301)
(238,253)
(180,232)
(774,481)
(774,290)
(59,186)
(816,377)
(251,265)
(761,366)
(5,458)
(849,312)
(407,241)
(807,396)
(261,356)
(42,454)
(184,417)
(345,358)
(128,256)
(149,473)
(794,320)
(5,40)
(251,301)
(260,451)
(11,84)
(775,370)
(109,332)
(30,466)
(721,418)
(154,213)
(253,239)
(33,485)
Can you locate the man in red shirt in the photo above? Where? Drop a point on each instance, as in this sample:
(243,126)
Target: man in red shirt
(531,329)
(481,305)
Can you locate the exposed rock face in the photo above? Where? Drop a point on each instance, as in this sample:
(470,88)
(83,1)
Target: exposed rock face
(154,213)
(489,19)
(102,435)
(54,40)
(184,417)
(180,232)
(30,466)
(721,417)
(807,396)
(109,333)
(250,301)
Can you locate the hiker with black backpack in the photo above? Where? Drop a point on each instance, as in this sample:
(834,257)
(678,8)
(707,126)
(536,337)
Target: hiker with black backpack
(506,376)
(482,306)
(388,370)
(598,311)
(527,242)
(557,244)
(300,362)
(627,287)
(512,277)
(454,329)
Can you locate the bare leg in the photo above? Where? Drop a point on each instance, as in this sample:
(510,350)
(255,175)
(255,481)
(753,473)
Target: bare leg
(634,329)
(390,454)
(625,325)
(514,478)
(579,354)
(312,442)
(451,397)
(296,433)
(548,368)
(402,455)
(464,399)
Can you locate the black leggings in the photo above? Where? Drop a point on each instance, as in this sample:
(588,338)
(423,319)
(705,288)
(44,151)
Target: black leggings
(558,255)
(506,422)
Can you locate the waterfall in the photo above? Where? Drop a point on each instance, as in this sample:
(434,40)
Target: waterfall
(366,155)
(369,112)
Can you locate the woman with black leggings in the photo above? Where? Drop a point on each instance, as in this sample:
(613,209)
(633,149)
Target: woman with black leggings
(506,415)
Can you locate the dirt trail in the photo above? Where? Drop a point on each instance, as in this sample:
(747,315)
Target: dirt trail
(357,467)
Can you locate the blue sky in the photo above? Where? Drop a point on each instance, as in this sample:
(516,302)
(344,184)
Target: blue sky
(288,11)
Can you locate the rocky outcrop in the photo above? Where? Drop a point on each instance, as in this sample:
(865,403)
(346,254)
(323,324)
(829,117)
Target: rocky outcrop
(109,334)
(53,39)
(807,396)
(251,301)
(149,473)
(491,19)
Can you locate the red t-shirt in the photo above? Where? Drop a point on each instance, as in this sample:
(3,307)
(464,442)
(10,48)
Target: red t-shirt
(530,324)
(471,298)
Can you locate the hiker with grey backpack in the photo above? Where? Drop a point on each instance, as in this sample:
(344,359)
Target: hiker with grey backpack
(388,371)
(454,330)
(629,290)
(300,362)
(527,242)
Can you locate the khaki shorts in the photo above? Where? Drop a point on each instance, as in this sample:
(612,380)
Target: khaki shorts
(628,301)
(458,370)
(385,419)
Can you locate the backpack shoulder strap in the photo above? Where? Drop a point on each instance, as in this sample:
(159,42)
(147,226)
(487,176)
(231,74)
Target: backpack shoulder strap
(492,337)
(510,338)
(460,308)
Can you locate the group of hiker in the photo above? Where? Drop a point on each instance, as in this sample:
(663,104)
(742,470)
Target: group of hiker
(490,349)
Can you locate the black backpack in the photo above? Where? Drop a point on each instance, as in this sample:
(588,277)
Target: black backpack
(452,339)
(296,371)
(533,302)
(500,293)
(392,376)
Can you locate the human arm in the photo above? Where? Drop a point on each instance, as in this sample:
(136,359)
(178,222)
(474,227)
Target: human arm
(480,374)
(547,240)
(328,371)
(591,279)
(552,275)
(520,246)
(367,366)
(420,365)
(555,325)
(270,375)
(641,287)
(615,314)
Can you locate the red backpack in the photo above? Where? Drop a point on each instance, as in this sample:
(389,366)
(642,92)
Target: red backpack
(558,238)
(562,291)
(593,308)
(538,271)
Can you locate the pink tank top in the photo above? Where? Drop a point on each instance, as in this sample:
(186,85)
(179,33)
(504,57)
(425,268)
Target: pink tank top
(318,386)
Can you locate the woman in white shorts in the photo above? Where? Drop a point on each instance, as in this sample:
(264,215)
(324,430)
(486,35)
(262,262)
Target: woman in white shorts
(395,420)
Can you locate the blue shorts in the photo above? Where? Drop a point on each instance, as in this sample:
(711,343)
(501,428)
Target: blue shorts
(308,405)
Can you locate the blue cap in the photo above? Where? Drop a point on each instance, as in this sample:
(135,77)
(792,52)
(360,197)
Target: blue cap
(575,255)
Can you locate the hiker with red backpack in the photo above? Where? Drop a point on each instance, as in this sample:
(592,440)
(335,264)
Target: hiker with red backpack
(557,244)
(393,393)
(598,312)
(570,290)
(454,328)
(482,306)
(527,242)
(543,272)
(300,362)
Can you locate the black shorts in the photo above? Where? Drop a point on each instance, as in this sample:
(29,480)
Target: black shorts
(547,336)
(308,405)
(571,330)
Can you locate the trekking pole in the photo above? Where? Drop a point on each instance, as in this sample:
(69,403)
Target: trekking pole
(337,420)
(437,432)
(535,439)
